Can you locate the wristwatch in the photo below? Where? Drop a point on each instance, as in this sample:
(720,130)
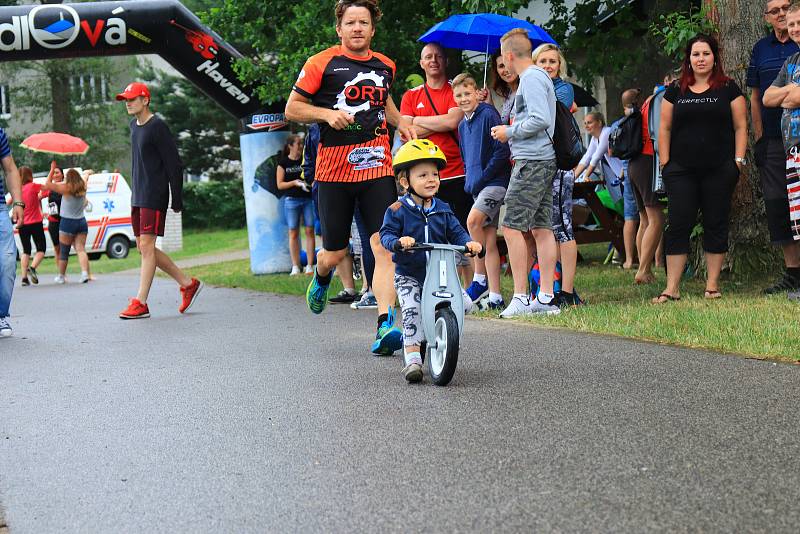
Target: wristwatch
(740,161)
(18,203)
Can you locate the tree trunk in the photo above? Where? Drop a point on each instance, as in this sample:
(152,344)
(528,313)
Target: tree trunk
(741,24)
(58,73)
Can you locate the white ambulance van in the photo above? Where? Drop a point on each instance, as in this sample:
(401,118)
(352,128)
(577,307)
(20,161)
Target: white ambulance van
(108,215)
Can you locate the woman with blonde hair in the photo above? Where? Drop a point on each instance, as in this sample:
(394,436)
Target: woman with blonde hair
(551,60)
(72,227)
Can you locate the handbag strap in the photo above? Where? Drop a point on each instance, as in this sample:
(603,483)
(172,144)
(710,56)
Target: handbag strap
(436,111)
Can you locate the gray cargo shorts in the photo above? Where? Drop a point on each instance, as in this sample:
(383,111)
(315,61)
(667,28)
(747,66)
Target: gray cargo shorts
(529,199)
(488,202)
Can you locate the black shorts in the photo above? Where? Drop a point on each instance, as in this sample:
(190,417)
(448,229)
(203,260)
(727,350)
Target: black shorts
(35,231)
(640,171)
(452,192)
(337,202)
(770,157)
(52,229)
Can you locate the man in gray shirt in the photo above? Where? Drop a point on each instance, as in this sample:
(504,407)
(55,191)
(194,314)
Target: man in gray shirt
(529,198)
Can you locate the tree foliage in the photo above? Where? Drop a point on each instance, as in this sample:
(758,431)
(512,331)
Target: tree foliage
(206,135)
(278,36)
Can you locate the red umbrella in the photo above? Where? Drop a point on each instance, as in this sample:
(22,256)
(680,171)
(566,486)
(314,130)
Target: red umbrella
(56,143)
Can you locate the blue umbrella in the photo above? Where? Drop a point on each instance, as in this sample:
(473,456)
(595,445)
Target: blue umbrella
(481,32)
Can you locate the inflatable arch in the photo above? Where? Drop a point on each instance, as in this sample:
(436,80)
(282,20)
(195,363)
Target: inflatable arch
(167,28)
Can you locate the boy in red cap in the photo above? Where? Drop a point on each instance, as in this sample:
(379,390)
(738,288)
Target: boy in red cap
(157,171)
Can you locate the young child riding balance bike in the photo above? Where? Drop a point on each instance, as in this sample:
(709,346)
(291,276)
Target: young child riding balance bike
(418,217)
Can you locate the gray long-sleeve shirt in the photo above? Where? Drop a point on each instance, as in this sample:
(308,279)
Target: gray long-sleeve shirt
(534,117)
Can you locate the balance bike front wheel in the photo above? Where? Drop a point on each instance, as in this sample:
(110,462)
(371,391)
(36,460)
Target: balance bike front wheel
(443,349)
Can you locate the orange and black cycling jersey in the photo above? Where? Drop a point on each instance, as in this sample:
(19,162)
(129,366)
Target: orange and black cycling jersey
(359,86)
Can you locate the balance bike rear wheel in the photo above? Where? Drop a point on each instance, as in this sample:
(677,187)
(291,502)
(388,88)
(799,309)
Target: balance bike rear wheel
(443,349)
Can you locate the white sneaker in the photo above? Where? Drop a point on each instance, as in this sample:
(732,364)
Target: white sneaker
(84,278)
(516,307)
(468,304)
(59,279)
(547,309)
(295,270)
(309,269)
(5,328)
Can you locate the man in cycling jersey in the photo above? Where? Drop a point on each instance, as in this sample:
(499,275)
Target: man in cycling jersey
(346,89)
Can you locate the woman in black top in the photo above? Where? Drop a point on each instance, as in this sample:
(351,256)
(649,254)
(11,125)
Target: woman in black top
(701,145)
(54,208)
(297,202)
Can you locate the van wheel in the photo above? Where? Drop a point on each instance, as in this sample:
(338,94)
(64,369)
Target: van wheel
(94,255)
(118,247)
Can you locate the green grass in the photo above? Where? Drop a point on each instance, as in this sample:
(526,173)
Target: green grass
(742,322)
(195,243)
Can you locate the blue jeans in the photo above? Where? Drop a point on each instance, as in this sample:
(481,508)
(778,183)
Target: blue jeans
(8,261)
(294,207)
(631,210)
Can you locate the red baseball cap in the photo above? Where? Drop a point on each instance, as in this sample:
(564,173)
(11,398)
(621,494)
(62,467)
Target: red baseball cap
(133,90)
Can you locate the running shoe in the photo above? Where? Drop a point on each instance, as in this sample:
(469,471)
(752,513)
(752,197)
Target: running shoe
(343,297)
(565,299)
(537,307)
(135,310)
(295,270)
(785,284)
(499,305)
(389,337)
(5,328)
(33,275)
(413,372)
(189,294)
(59,279)
(84,278)
(477,291)
(367,302)
(516,307)
(309,270)
(25,282)
(317,295)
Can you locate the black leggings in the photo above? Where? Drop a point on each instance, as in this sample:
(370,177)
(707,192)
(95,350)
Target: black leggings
(710,191)
(32,231)
(52,229)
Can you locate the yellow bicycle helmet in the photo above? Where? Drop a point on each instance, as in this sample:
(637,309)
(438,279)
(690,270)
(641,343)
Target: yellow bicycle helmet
(417,151)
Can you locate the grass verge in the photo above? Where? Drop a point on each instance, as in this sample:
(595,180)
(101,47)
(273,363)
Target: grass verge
(195,243)
(742,322)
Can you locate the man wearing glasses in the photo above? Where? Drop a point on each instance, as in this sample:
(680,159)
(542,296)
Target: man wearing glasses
(766,61)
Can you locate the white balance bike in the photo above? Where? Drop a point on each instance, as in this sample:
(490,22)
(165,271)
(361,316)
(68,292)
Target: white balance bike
(442,309)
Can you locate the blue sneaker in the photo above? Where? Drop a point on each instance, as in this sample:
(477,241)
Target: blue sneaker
(389,337)
(316,295)
(499,305)
(477,291)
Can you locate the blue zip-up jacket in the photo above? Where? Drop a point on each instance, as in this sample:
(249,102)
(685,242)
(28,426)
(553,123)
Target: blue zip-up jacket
(486,161)
(436,225)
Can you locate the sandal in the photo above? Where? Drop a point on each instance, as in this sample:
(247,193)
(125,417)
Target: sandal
(667,298)
(712,294)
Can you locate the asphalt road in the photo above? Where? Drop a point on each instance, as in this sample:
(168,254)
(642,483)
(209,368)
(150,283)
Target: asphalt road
(251,415)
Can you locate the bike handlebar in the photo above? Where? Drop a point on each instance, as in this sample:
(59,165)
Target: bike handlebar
(431,246)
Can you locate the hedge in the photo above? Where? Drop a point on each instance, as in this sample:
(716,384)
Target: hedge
(217,205)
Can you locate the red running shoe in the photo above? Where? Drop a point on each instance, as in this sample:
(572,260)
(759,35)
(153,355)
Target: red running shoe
(135,310)
(189,294)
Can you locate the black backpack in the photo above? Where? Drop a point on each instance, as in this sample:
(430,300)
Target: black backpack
(266,176)
(566,139)
(625,139)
